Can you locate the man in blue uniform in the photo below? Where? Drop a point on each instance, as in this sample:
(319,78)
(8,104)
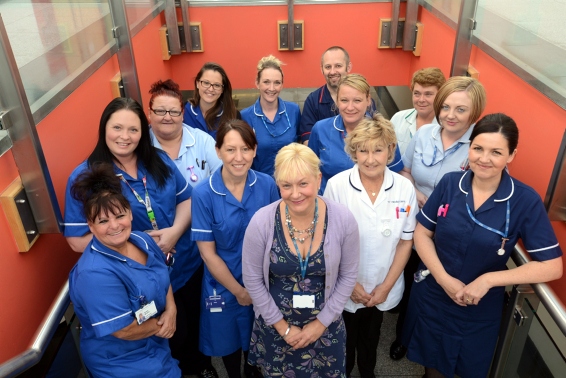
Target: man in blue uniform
(320,104)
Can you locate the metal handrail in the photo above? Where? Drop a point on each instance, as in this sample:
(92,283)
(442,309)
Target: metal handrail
(551,302)
(42,338)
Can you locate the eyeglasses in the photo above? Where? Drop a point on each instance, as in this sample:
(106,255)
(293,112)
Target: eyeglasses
(162,112)
(207,84)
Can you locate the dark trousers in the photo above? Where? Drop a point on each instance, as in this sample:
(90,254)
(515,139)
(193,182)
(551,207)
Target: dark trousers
(410,269)
(362,336)
(184,343)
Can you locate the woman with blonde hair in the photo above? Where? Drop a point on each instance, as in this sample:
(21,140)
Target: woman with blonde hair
(300,263)
(275,121)
(384,205)
(327,136)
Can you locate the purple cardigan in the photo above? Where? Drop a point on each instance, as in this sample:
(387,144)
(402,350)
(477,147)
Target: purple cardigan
(341,256)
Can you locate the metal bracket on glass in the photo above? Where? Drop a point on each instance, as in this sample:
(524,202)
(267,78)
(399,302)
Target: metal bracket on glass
(283,33)
(172,28)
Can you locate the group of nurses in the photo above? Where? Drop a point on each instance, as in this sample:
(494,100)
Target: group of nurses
(274,121)
(327,136)
(222,208)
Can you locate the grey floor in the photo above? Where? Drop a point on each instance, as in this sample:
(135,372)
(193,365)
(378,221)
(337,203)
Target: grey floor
(386,367)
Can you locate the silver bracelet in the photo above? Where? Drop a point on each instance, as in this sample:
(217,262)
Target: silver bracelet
(287,331)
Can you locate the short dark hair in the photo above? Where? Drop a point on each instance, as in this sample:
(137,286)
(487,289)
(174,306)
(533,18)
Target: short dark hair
(336,48)
(145,152)
(245,131)
(225,103)
(100,191)
(498,123)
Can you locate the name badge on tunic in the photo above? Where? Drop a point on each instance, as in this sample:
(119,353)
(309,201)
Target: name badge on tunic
(146,312)
(215,303)
(303,301)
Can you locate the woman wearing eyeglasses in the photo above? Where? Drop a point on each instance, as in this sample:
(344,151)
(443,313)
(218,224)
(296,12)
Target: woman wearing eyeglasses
(212,102)
(192,150)
(274,121)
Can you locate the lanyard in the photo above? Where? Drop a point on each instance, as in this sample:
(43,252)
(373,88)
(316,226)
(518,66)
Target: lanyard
(146,203)
(501,251)
(269,131)
(434,162)
(303,263)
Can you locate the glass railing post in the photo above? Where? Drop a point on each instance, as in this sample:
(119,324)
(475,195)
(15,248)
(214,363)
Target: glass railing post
(514,331)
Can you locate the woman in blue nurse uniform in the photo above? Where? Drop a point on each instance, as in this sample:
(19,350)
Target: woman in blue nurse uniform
(212,103)
(327,136)
(120,287)
(192,151)
(467,230)
(274,121)
(435,150)
(158,193)
(222,208)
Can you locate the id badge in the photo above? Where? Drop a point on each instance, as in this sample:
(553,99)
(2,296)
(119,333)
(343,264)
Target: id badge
(215,303)
(146,312)
(303,301)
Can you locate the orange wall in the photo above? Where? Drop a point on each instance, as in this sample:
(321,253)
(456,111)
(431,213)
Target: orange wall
(30,281)
(237,37)
(541,122)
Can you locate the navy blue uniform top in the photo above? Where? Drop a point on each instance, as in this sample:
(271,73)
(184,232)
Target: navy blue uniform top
(467,250)
(319,105)
(106,289)
(193,117)
(327,142)
(272,135)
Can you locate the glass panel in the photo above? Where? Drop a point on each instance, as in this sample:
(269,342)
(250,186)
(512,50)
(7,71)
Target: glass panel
(448,8)
(540,356)
(139,10)
(53,41)
(530,34)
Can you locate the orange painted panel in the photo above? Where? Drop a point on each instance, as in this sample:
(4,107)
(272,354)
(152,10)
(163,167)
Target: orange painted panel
(437,47)
(237,37)
(150,66)
(30,281)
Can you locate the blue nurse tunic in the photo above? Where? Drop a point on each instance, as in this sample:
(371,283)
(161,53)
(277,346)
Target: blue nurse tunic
(327,142)
(272,135)
(164,201)
(106,288)
(219,217)
(439,333)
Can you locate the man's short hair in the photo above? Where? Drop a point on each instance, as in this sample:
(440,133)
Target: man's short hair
(334,48)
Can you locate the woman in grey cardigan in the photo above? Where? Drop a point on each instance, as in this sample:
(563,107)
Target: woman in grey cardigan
(300,264)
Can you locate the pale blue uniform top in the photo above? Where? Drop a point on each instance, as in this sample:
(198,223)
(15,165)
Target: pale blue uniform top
(272,135)
(327,142)
(164,201)
(220,218)
(429,162)
(197,151)
(106,289)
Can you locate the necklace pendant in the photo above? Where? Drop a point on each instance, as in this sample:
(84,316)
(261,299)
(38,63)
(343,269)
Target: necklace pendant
(373,194)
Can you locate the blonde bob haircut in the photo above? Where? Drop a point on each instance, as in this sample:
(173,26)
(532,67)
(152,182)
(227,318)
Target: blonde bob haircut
(269,62)
(368,134)
(355,81)
(471,86)
(295,160)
